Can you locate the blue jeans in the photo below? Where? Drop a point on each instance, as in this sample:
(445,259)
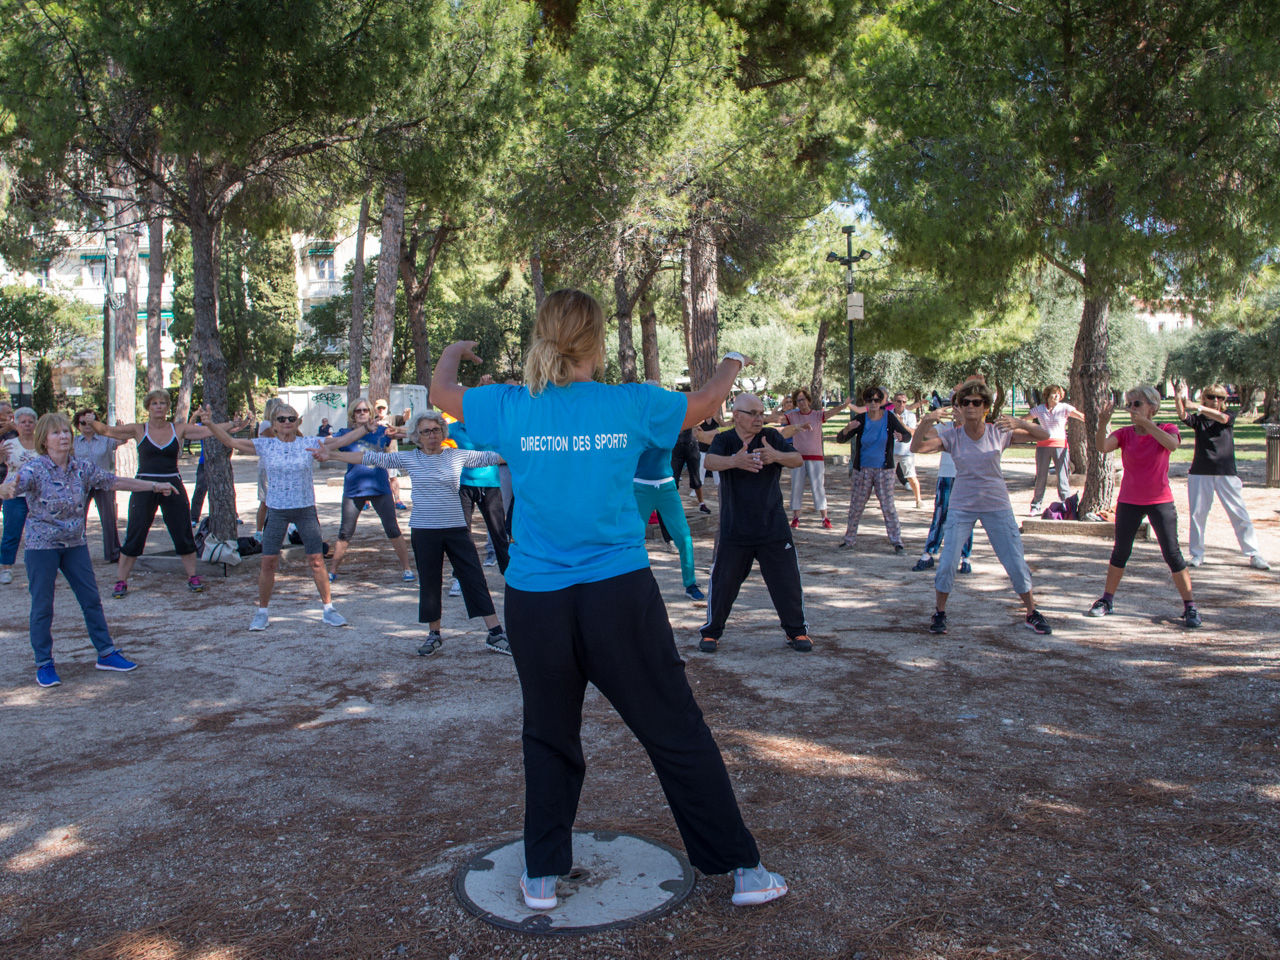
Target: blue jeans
(14,513)
(1005,539)
(941,499)
(42,577)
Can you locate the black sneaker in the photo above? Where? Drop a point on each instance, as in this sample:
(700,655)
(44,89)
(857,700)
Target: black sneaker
(800,644)
(708,645)
(1100,608)
(924,563)
(939,623)
(1191,618)
(430,645)
(1037,622)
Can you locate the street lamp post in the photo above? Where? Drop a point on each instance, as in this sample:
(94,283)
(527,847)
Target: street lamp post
(853,300)
(112,301)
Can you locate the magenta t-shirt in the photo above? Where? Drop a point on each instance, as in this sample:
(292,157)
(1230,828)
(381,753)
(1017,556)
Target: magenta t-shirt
(1146,466)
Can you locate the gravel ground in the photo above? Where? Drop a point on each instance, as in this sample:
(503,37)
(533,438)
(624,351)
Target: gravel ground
(1108,791)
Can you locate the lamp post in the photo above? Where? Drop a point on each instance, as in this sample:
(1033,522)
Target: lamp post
(854,300)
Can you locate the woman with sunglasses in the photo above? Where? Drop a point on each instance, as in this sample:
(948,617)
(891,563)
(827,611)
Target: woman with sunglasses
(1144,494)
(871,465)
(368,486)
(582,602)
(1213,471)
(159,443)
(287,460)
(980,493)
(437,525)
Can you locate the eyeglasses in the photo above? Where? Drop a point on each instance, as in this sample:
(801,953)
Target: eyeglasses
(751,413)
(1134,404)
(971,402)
(286,419)
(427,433)
(360,410)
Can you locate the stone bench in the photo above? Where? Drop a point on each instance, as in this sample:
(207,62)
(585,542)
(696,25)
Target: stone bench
(1103,529)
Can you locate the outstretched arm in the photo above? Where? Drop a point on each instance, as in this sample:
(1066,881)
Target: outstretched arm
(924,438)
(222,433)
(351,436)
(124,432)
(1023,431)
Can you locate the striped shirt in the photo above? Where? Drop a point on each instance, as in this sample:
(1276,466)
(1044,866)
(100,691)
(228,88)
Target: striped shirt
(436,477)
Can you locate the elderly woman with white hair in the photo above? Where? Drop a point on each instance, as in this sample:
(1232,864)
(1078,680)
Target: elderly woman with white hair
(437,525)
(288,460)
(1145,494)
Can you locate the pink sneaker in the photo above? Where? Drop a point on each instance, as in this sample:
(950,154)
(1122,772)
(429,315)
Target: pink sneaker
(195,585)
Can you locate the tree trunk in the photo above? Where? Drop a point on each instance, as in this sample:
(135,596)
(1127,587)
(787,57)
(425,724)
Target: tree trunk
(622,311)
(415,295)
(182,411)
(217,463)
(126,317)
(384,291)
(1091,387)
(704,319)
(535,276)
(355,342)
(1271,404)
(819,360)
(686,302)
(155,291)
(649,338)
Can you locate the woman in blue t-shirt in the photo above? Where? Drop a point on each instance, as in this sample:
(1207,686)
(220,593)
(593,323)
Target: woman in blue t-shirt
(871,465)
(582,604)
(368,486)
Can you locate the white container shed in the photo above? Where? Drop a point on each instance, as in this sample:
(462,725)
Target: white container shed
(316,403)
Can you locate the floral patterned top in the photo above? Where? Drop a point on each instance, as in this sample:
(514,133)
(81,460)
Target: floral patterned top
(56,499)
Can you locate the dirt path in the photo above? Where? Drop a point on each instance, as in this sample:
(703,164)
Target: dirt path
(1109,791)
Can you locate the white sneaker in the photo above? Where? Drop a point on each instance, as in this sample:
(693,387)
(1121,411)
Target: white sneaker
(1255,561)
(694,494)
(333,618)
(1195,561)
(456,589)
(753,887)
(6,576)
(259,621)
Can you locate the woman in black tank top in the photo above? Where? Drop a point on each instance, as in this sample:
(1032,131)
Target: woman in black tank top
(159,443)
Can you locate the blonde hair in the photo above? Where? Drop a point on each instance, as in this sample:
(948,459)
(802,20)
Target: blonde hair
(157,394)
(46,425)
(435,416)
(351,410)
(569,330)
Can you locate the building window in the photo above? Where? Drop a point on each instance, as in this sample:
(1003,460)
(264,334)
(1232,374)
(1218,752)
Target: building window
(324,268)
(97,272)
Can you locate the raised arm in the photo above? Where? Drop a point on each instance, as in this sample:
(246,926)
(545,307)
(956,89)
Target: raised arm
(446,391)
(705,402)
(1103,439)
(222,433)
(1023,431)
(924,438)
(1170,441)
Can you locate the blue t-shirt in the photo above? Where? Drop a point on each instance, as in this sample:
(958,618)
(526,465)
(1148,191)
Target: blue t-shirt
(573,452)
(875,434)
(655,464)
(472,476)
(362,481)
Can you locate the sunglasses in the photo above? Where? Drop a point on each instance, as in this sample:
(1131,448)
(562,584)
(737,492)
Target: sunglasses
(874,400)
(1214,396)
(286,419)
(1134,404)
(971,402)
(360,410)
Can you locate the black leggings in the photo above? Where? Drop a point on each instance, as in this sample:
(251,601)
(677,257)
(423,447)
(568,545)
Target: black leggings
(176,511)
(429,547)
(383,505)
(1164,521)
(489,499)
(686,456)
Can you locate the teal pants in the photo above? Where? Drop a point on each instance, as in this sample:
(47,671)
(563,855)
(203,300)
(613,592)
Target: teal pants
(666,500)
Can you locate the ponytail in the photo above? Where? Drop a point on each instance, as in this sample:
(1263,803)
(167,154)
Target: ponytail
(569,331)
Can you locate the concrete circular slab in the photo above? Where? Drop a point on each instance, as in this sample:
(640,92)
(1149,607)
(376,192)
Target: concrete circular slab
(618,880)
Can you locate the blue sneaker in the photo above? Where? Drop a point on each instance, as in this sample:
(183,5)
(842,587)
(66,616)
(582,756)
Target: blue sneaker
(113,661)
(333,578)
(756,886)
(408,576)
(47,676)
(694,594)
(924,563)
(539,892)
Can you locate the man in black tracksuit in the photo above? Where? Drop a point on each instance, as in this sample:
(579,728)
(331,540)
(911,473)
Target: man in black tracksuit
(753,524)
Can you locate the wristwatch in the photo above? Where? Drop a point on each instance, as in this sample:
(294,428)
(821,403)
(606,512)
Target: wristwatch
(734,355)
